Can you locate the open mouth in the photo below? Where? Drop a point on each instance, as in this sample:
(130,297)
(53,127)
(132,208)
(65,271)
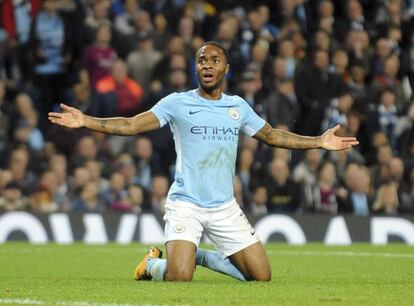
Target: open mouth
(207,76)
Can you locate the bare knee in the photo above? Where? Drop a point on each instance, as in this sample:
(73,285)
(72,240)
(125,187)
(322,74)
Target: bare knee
(264,276)
(178,275)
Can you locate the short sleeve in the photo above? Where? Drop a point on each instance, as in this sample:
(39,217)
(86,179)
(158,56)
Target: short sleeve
(164,110)
(252,123)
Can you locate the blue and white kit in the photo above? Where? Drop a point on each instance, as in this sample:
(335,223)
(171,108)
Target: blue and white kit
(206,134)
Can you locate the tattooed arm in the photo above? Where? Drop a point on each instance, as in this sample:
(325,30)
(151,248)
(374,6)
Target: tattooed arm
(288,140)
(74,118)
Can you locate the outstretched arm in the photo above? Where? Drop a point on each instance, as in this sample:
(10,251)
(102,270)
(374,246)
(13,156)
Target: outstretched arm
(288,140)
(73,118)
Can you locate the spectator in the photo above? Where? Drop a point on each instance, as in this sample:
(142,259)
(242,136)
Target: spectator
(389,79)
(50,44)
(82,98)
(396,170)
(97,13)
(17,18)
(86,149)
(325,190)
(12,199)
(89,200)
(404,130)
(116,194)
(124,23)
(186,30)
(18,165)
(226,34)
(258,204)
(98,57)
(340,63)
(120,94)
(305,174)
(245,170)
(317,87)
(385,117)
(26,123)
(336,112)
(386,201)
(281,106)
(77,181)
(356,83)
(343,158)
(284,195)
(353,20)
(407,195)
(356,197)
(6,177)
(143,159)
(407,61)
(162,33)
(159,189)
(4,116)
(380,171)
(249,86)
(125,165)
(142,61)
(94,168)
(58,166)
(136,199)
(41,200)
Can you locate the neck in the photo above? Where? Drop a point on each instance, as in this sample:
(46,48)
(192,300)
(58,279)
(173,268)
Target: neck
(213,94)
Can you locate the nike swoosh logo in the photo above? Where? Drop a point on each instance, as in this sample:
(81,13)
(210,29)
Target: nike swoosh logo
(194,112)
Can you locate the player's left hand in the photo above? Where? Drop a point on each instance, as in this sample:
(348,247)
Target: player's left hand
(329,141)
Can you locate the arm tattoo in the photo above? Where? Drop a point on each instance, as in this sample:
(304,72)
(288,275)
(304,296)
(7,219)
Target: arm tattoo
(287,140)
(118,126)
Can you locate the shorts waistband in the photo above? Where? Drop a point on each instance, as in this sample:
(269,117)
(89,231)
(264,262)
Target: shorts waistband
(195,206)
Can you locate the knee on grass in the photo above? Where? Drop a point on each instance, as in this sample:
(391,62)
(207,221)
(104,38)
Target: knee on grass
(178,276)
(262,277)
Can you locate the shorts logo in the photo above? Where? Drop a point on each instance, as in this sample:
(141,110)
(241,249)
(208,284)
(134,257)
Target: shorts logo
(234,113)
(179,228)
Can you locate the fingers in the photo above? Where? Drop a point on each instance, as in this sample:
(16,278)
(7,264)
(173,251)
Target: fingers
(56,120)
(336,128)
(65,107)
(348,139)
(54,115)
(349,144)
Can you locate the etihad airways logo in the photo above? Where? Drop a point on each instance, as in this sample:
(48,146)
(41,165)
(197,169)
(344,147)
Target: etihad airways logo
(216,133)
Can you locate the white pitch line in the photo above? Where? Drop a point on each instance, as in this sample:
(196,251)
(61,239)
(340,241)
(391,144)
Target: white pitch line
(67,303)
(342,253)
(144,249)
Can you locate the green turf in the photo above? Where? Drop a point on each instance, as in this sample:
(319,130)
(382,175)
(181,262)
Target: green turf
(302,275)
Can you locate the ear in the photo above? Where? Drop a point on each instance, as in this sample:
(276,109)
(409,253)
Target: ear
(227,68)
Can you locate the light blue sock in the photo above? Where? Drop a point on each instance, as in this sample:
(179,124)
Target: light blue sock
(156,267)
(213,261)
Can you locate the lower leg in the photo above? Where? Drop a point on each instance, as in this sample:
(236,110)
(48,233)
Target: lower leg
(253,262)
(181,261)
(213,261)
(156,268)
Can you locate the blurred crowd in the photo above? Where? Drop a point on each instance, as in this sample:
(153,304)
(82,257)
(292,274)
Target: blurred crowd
(304,66)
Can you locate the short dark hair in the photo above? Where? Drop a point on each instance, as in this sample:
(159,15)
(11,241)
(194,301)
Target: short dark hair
(218,45)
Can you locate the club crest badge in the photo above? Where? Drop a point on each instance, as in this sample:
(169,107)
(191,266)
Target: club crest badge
(179,228)
(234,113)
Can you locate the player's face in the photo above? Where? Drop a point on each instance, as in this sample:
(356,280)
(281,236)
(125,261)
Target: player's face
(211,65)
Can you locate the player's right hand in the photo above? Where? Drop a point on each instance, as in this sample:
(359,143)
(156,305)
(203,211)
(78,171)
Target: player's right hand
(69,117)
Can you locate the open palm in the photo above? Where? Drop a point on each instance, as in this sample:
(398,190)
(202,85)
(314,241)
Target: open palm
(69,117)
(329,141)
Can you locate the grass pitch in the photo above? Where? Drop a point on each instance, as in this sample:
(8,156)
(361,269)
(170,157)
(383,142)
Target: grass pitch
(302,275)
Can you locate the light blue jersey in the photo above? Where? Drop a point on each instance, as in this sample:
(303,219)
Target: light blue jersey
(206,134)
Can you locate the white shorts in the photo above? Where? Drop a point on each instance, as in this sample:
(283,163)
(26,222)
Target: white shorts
(226,226)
